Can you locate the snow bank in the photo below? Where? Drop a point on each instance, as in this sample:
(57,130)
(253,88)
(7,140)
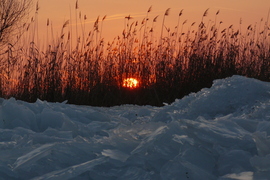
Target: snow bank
(218,133)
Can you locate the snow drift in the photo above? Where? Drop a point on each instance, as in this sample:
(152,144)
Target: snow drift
(218,133)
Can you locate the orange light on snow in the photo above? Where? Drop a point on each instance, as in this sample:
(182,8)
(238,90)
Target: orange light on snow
(130,83)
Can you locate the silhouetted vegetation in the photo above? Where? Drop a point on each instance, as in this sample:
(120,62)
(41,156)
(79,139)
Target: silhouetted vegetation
(91,71)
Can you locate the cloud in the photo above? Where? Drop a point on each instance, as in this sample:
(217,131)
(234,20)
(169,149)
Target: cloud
(122,16)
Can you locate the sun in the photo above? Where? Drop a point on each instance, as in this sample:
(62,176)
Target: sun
(130,83)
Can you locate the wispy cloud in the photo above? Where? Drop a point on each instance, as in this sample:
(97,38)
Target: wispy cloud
(229,9)
(118,16)
(122,16)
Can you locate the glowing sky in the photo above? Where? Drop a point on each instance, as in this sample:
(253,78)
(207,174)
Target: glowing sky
(58,11)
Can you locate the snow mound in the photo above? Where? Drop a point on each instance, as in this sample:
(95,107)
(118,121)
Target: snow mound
(218,133)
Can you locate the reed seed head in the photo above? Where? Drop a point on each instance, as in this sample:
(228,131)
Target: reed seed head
(155,19)
(167,12)
(181,12)
(205,12)
(150,9)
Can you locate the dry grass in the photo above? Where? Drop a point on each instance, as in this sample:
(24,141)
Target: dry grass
(91,70)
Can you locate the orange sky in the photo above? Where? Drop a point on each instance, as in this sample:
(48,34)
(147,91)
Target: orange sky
(58,11)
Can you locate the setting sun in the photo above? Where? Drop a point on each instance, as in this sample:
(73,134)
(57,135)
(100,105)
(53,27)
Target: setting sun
(130,83)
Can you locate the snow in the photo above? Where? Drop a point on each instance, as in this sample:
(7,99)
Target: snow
(219,133)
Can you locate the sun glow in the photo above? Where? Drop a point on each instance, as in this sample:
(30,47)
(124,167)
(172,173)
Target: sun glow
(130,83)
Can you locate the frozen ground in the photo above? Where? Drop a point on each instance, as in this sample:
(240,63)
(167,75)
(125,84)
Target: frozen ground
(218,133)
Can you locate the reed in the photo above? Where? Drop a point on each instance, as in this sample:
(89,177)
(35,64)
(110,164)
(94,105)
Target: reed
(91,71)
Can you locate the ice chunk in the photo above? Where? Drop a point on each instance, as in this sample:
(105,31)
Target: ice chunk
(221,131)
(59,134)
(262,143)
(174,170)
(72,171)
(56,120)
(234,95)
(264,126)
(180,169)
(15,114)
(249,125)
(41,138)
(135,173)
(98,116)
(238,176)
(115,154)
(261,163)
(7,145)
(234,161)
(183,139)
(7,173)
(49,118)
(198,156)
(149,139)
(33,156)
